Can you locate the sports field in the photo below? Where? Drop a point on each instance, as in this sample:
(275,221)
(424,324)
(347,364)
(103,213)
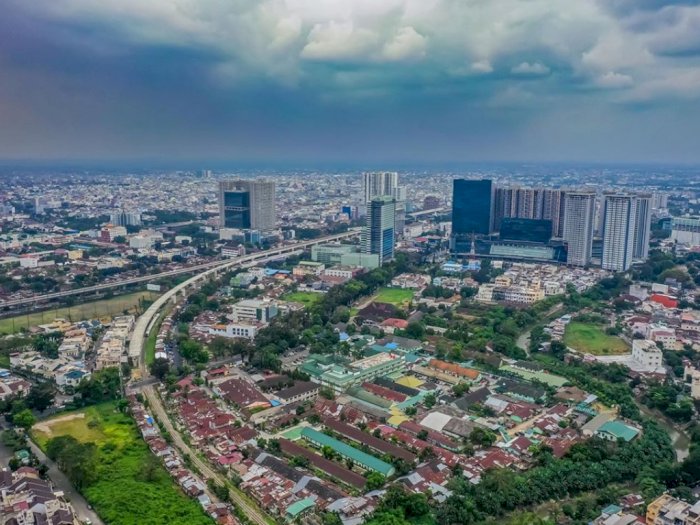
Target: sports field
(307,298)
(592,339)
(397,296)
(80,312)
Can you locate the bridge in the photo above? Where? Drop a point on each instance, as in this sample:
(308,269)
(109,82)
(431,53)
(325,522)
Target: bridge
(170,273)
(435,211)
(144,323)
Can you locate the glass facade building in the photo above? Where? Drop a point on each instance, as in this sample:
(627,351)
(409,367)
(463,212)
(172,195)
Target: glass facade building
(472,201)
(531,230)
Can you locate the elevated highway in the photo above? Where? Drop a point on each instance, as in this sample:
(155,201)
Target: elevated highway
(144,323)
(170,273)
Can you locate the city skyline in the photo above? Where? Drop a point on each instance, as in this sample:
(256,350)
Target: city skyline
(372,83)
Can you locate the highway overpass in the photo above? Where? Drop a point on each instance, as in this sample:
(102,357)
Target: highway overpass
(143,324)
(180,271)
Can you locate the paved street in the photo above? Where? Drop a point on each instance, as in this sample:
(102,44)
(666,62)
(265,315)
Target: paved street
(59,480)
(158,411)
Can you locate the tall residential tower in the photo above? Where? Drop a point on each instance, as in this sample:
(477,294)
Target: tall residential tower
(386,184)
(579,215)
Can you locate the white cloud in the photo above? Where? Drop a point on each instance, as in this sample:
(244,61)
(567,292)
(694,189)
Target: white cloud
(281,39)
(613,80)
(339,41)
(482,66)
(530,69)
(407,44)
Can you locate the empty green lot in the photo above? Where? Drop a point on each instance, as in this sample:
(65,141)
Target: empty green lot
(592,339)
(397,296)
(79,312)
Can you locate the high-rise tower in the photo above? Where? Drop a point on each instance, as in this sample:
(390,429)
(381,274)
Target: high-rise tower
(247,204)
(378,236)
(579,214)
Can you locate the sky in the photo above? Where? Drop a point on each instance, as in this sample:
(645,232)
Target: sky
(366,81)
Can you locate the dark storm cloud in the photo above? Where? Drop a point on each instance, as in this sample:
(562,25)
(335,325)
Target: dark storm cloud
(400,79)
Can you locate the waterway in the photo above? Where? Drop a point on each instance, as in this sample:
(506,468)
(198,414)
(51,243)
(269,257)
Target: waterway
(679,438)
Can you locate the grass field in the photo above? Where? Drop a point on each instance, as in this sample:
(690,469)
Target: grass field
(79,312)
(397,296)
(125,492)
(307,298)
(592,339)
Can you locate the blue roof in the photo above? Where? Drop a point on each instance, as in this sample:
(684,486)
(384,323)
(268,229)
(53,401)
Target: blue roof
(391,346)
(343,336)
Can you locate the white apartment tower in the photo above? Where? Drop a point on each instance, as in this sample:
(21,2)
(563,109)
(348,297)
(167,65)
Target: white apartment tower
(626,230)
(380,184)
(642,229)
(579,215)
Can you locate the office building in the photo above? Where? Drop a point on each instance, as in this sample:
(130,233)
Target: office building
(530,230)
(247,204)
(472,203)
(344,255)
(579,211)
(378,236)
(386,184)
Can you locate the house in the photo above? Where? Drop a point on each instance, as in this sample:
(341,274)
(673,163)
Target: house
(300,391)
(614,430)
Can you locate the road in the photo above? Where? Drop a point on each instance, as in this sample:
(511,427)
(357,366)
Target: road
(137,351)
(60,482)
(158,411)
(138,338)
(218,264)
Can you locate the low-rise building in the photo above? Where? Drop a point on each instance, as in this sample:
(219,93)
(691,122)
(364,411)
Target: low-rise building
(646,353)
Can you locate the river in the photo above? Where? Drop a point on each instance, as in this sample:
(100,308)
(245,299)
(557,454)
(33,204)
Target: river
(680,440)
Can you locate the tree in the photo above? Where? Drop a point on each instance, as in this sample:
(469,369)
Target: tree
(77,460)
(24,419)
(160,368)
(375,481)
(429,400)
(482,437)
(41,396)
(415,330)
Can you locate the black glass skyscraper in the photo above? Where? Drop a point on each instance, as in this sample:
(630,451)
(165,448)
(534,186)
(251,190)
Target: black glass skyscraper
(471,207)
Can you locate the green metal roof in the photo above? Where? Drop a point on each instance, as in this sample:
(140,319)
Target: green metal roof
(300,506)
(345,450)
(619,430)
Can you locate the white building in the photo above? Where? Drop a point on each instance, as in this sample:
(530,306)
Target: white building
(618,231)
(579,214)
(686,230)
(236,330)
(646,353)
(661,334)
(253,310)
(626,230)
